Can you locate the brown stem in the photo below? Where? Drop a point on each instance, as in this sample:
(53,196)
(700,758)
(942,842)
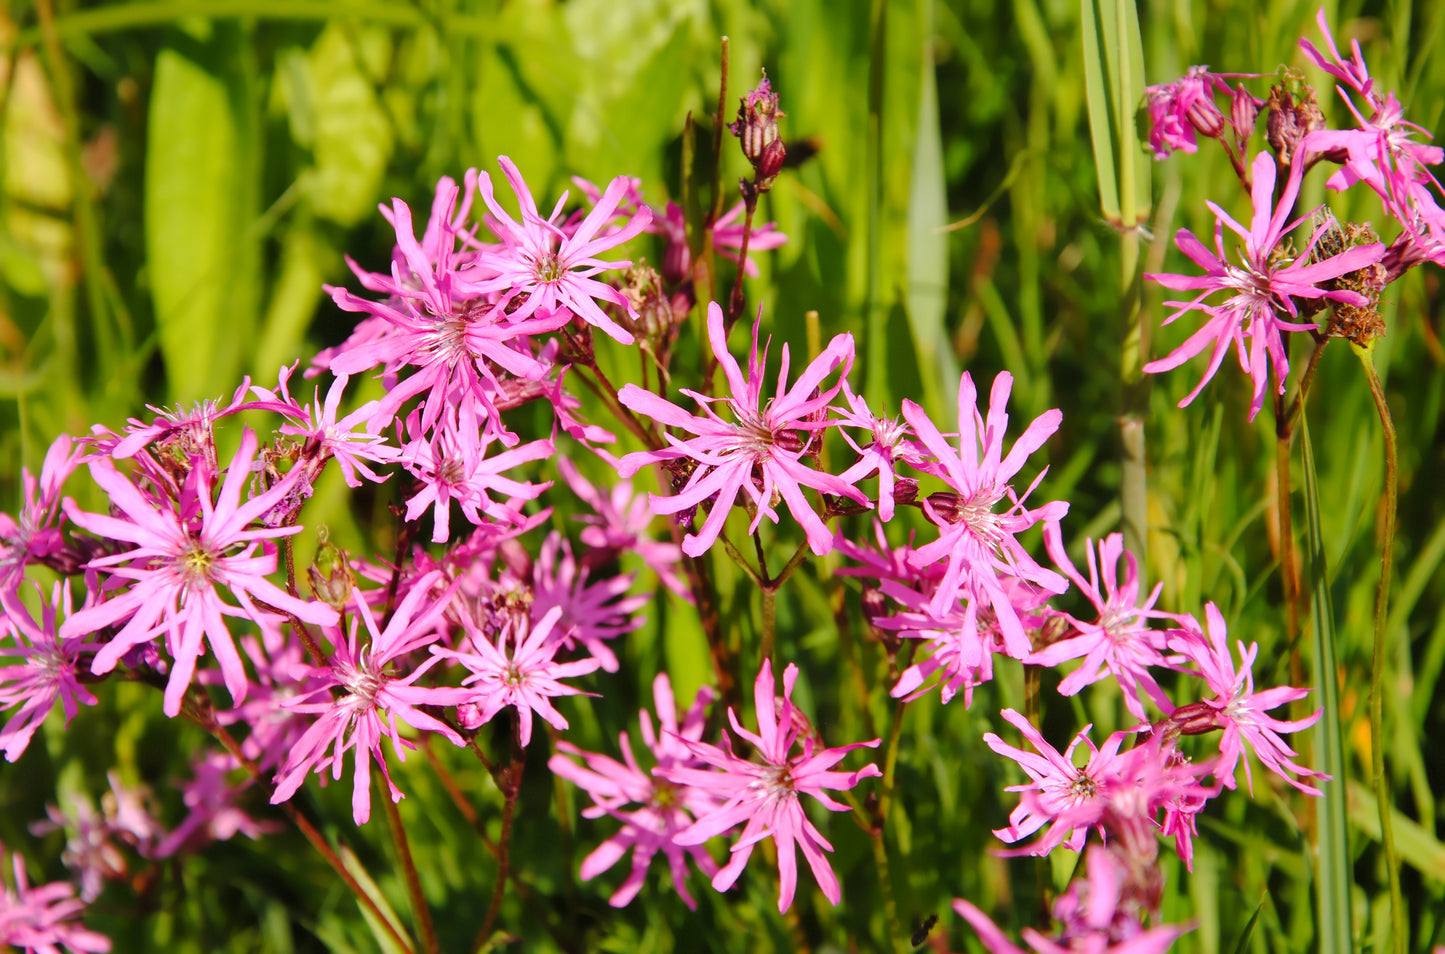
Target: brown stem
(198,710)
(419,908)
(717,138)
(735,302)
(469,812)
(1398,918)
(510,781)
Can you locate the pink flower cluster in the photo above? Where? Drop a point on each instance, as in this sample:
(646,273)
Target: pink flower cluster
(1263,295)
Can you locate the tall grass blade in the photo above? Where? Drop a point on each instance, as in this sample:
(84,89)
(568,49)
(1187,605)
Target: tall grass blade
(1333,876)
(928,244)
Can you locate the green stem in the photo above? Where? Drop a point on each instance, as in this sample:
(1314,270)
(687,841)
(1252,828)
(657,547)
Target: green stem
(1289,572)
(1399,921)
(895,927)
(419,908)
(1134,478)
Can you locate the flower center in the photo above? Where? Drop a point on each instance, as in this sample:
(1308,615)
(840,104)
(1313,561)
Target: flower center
(361,681)
(549,269)
(1083,788)
(664,794)
(779,781)
(451,471)
(195,563)
(514,677)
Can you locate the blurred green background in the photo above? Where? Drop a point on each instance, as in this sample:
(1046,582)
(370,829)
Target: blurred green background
(180,177)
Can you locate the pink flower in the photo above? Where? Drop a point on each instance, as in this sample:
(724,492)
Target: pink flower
(889,443)
(620,524)
(1095,916)
(978,542)
(1238,709)
(46,671)
(1261,290)
(31,538)
(1179,109)
(525,679)
(553,269)
(664,809)
(766,793)
(770,436)
(592,611)
(1067,798)
(178,563)
(727,238)
(369,699)
(325,437)
(458,339)
(42,919)
(1382,141)
(1118,638)
(214,815)
(451,467)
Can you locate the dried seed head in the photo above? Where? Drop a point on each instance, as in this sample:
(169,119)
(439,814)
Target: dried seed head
(1294,113)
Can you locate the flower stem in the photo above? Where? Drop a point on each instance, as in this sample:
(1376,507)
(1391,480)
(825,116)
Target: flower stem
(419,908)
(1401,927)
(510,781)
(735,303)
(1289,571)
(198,711)
(878,831)
(1134,478)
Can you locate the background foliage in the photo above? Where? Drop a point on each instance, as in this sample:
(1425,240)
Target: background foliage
(180,177)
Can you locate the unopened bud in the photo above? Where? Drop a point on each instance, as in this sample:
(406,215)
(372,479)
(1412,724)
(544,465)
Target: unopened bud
(330,574)
(1244,111)
(757,129)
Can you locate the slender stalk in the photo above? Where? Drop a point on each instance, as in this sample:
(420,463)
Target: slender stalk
(735,303)
(419,908)
(1399,921)
(705,599)
(1306,380)
(1134,478)
(198,710)
(717,138)
(469,812)
(737,557)
(1289,571)
(878,830)
(770,623)
(510,781)
(1032,677)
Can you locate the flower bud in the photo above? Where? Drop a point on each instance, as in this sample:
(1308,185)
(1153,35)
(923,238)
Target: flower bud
(1243,113)
(757,129)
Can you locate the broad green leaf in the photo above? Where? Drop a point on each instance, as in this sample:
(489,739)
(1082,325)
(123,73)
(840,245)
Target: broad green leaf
(353,136)
(198,200)
(1333,873)
(294,296)
(928,244)
(1114,80)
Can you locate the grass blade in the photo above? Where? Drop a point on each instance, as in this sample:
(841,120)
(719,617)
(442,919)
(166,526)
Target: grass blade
(1333,876)
(928,244)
